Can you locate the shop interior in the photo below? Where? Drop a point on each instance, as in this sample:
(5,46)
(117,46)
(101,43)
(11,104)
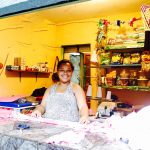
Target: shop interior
(24,35)
(108,42)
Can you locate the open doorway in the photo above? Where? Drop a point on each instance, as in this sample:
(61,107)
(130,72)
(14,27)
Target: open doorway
(79,55)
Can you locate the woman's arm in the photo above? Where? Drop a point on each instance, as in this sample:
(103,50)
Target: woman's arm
(81,101)
(40,109)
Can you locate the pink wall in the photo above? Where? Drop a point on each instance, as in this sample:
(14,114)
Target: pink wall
(133,97)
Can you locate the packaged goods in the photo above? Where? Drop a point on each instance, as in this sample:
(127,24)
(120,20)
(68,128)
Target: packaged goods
(105,58)
(116,58)
(135,58)
(126,58)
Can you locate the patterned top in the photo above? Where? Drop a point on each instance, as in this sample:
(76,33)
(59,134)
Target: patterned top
(62,106)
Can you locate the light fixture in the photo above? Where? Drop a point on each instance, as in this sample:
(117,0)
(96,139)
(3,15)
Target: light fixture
(108,95)
(99,92)
(89,90)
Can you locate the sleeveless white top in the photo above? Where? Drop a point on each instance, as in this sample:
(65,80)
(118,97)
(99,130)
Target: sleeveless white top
(62,106)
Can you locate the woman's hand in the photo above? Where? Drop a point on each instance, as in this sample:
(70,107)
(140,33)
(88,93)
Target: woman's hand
(36,113)
(84,120)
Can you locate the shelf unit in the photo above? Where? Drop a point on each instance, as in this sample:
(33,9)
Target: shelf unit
(133,88)
(120,65)
(29,72)
(126,50)
(128,67)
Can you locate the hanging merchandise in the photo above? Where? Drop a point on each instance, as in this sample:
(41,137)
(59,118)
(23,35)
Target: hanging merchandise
(145,10)
(101,34)
(131,22)
(118,23)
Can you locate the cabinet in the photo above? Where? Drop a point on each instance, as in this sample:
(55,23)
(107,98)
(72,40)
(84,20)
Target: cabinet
(27,73)
(131,94)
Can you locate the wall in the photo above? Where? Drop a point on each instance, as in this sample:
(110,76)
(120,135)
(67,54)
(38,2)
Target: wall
(85,31)
(38,39)
(33,38)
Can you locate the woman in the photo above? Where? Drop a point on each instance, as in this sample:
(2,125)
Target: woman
(64,100)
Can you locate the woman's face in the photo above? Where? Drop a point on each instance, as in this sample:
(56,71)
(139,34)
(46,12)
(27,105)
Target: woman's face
(65,73)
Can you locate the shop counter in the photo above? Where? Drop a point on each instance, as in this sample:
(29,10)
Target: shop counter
(47,135)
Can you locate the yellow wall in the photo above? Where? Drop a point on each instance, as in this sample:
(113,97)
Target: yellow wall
(37,39)
(84,31)
(32,38)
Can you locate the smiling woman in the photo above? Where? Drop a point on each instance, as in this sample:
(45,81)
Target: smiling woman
(64,100)
(11,7)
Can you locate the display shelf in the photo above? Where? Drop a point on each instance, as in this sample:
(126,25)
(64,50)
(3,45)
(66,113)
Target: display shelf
(125,46)
(29,72)
(99,99)
(94,98)
(128,67)
(133,88)
(115,65)
(120,65)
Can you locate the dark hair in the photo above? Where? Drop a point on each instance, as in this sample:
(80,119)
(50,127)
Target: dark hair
(65,61)
(55,77)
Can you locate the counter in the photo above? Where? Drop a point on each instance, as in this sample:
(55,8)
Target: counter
(47,135)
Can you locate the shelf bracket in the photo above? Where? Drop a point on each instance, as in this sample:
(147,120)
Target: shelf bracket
(36,75)
(20,76)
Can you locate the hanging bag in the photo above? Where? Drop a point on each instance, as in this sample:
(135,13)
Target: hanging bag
(55,77)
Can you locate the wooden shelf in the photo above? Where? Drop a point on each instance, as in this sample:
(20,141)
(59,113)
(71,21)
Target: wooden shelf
(133,88)
(32,71)
(120,65)
(125,49)
(29,71)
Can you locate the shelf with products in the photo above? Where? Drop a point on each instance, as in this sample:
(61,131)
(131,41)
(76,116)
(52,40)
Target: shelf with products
(115,65)
(43,73)
(122,50)
(125,46)
(121,57)
(120,65)
(123,69)
(124,57)
(134,88)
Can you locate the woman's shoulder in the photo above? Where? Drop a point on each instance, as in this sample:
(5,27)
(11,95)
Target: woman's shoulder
(75,86)
(51,87)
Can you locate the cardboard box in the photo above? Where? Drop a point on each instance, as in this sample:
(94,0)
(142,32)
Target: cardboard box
(17,61)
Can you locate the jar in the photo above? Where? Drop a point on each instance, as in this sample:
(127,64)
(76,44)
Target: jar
(142,82)
(133,82)
(110,81)
(124,81)
(124,74)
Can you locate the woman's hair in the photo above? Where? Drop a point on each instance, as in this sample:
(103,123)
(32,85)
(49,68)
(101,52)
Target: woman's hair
(65,61)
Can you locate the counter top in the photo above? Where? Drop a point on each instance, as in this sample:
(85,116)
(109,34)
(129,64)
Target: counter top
(45,135)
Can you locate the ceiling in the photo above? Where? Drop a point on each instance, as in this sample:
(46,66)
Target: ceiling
(85,9)
(92,9)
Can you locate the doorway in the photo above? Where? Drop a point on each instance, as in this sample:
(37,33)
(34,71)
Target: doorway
(79,55)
